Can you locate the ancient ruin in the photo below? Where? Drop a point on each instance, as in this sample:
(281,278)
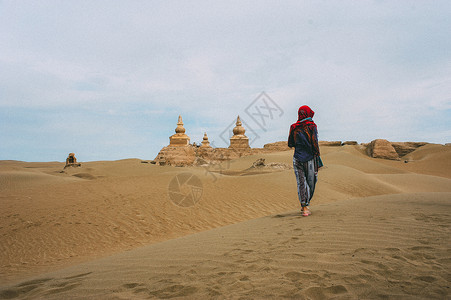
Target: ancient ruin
(205,142)
(71,161)
(349,143)
(277,146)
(180,152)
(179,138)
(381,148)
(204,153)
(330,143)
(239,141)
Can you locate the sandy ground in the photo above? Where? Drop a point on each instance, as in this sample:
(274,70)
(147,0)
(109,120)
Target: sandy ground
(109,230)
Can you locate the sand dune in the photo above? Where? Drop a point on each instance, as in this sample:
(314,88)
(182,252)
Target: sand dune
(52,220)
(375,247)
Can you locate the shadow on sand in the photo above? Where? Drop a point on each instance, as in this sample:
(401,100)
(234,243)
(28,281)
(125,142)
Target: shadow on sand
(289,214)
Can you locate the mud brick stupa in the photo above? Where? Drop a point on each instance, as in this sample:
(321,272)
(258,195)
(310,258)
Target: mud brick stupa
(239,141)
(180,152)
(179,138)
(205,142)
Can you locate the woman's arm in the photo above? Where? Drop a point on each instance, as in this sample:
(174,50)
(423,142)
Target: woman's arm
(315,144)
(291,142)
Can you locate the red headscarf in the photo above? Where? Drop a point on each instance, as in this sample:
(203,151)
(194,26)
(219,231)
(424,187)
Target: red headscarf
(305,123)
(305,115)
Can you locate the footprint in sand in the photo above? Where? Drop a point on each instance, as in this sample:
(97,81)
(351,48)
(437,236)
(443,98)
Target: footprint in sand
(298,276)
(170,291)
(23,289)
(426,278)
(325,293)
(39,288)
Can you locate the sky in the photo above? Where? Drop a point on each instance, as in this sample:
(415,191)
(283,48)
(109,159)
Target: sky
(107,80)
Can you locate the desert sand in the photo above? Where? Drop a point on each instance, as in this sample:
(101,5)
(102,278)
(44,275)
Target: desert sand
(108,230)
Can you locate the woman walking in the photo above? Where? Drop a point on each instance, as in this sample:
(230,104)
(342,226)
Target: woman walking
(304,138)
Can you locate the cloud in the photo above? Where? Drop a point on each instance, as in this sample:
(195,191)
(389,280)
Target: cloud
(369,69)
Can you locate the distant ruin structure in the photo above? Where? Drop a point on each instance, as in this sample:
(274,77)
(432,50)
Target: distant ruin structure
(71,161)
(179,138)
(239,141)
(181,153)
(205,142)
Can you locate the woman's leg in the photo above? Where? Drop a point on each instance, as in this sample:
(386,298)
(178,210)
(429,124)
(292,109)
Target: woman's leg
(310,178)
(303,188)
